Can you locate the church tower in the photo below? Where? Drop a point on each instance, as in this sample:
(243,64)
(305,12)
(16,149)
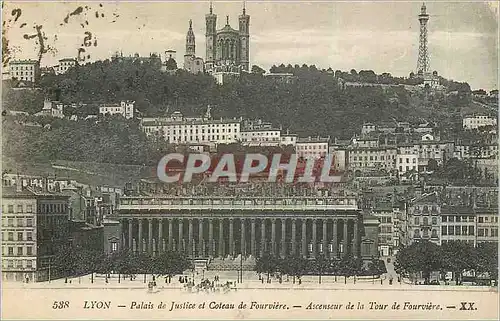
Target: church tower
(190,41)
(210,37)
(244,39)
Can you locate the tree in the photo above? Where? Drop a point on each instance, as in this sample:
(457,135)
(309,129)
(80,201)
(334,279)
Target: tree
(374,267)
(257,70)
(457,256)
(422,256)
(170,263)
(486,260)
(349,266)
(321,265)
(295,266)
(267,264)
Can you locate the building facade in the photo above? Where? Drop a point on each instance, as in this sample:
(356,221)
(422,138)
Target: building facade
(424,220)
(34,227)
(227,46)
(225,226)
(477,121)
(64,65)
(312,147)
(124,108)
(27,70)
(178,129)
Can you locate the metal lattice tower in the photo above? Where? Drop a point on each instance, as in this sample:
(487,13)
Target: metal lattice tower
(423,54)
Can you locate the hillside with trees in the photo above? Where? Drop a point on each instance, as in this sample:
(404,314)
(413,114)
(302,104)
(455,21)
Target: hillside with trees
(312,105)
(314,99)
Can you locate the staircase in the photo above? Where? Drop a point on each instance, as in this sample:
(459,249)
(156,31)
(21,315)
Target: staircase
(231,264)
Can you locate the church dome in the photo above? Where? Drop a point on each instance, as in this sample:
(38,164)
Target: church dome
(227,29)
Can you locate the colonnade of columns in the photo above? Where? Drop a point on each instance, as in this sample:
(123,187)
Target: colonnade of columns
(219,237)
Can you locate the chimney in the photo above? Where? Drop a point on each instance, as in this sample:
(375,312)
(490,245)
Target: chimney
(19,184)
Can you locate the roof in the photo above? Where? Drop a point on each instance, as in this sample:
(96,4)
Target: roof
(68,59)
(11,192)
(227,28)
(19,62)
(427,198)
(189,122)
(260,130)
(312,140)
(458,209)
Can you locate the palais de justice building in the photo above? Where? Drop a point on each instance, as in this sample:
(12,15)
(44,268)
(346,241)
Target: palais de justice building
(211,227)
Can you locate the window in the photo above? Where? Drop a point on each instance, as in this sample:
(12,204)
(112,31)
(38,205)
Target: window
(444,230)
(10,251)
(434,233)
(434,221)
(451,230)
(480,232)
(417,221)
(471,230)
(426,221)
(451,219)
(19,236)
(29,263)
(20,222)
(457,230)
(444,219)
(416,233)
(11,236)
(29,236)
(29,250)
(19,208)
(29,222)
(29,208)
(10,209)
(114,247)
(10,222)
(20,251)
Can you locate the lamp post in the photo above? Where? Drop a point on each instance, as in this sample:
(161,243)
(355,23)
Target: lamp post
(49,270)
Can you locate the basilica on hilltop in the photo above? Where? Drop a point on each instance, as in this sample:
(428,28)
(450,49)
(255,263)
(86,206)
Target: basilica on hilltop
(227,49)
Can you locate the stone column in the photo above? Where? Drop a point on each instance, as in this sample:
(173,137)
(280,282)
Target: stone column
(221,238)
(160,236)
(283,237)
(334,241)
(294,236)
(355,243)
(201,248)
(252,236)
(325,238)
(190,235)
(139,243)
(304,240)
(170,234)
(263,236)
(314,237)
(130,226)
(346,238)
(273,236)
(211,249)
(243,246)
(231,237)
(180,243)
(150,236)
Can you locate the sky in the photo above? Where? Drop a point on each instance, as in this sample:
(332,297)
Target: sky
(377,35)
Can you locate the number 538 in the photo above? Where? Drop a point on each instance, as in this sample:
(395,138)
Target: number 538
(57,305)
